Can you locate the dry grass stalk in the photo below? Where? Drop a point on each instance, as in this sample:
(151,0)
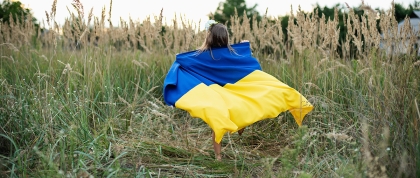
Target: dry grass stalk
(149,36)
(79,7)
(109,14)
(53,9)
(267,34)
(373,164)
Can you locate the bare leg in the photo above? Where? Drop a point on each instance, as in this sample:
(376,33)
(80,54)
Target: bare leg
(240,131)
(217,148)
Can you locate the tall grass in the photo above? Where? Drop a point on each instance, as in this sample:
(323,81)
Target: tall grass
(84,99)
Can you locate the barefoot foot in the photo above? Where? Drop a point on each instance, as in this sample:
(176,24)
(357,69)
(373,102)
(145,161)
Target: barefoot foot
(219,157)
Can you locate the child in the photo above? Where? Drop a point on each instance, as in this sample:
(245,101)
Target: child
(224,86)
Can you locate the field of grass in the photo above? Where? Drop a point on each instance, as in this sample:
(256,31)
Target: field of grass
(85,100)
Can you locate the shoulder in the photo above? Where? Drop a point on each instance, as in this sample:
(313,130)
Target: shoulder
(243,48)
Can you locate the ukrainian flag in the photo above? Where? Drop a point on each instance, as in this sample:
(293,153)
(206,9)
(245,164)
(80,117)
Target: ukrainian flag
(228,90)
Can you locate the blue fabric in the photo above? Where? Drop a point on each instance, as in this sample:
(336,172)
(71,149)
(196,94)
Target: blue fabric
(191,69)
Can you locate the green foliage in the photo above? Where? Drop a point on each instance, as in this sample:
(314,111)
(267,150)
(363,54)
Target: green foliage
(14,10)
(401,12)
(228,9)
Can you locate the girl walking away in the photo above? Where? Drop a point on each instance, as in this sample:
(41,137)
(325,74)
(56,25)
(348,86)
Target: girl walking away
(224,85)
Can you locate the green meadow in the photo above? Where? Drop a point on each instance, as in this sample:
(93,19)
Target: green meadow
(85,100)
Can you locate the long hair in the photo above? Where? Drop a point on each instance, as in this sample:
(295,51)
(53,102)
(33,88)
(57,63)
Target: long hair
(217,36)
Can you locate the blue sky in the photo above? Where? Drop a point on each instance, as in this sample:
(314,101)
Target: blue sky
(192,9)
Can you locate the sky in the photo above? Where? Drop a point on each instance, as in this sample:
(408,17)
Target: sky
(194,10)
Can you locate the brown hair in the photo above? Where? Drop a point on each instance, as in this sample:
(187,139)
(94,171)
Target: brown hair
(217,36)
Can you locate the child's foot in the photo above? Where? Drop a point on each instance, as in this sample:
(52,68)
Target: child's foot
(240,131)
(219,157)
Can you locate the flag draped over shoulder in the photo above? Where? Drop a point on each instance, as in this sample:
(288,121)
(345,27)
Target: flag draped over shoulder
(228,90)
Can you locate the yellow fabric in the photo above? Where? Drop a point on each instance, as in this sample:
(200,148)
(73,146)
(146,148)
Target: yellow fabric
(253,98)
